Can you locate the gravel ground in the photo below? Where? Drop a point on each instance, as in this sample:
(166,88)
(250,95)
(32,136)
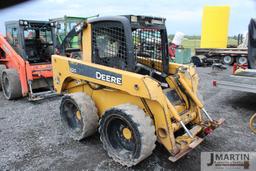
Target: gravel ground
(31,136)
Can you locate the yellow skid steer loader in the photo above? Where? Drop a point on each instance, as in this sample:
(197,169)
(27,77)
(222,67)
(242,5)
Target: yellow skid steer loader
(125,86)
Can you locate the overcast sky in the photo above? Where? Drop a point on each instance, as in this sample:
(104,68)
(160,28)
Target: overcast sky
(182,15)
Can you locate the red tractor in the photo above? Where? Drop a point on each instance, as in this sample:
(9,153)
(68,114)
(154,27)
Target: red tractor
(25,59)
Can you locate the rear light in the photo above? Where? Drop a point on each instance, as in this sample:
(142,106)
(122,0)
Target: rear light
(214,83)
(208,130)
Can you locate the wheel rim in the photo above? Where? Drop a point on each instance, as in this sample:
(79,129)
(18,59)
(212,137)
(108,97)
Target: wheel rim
(121,136)
(253,123)
(242,60)
(72,116)
(6,85)
(127,133)
(227,59)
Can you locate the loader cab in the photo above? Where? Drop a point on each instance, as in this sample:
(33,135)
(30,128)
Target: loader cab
(67,37)
(34,41)
(134,43)
(64,26)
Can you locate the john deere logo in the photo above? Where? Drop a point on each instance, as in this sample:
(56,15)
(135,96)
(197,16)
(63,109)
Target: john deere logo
(96,73)
(108,78)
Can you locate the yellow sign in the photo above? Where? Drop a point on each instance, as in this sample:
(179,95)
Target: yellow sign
(215,27)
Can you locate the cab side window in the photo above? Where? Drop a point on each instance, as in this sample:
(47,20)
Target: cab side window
(9,35)
(12,36)
(13,39)
(15,36)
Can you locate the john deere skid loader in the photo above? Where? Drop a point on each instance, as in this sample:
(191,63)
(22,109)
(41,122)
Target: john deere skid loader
(125,86)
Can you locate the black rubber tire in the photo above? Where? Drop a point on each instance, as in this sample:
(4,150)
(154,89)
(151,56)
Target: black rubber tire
(2,67)
(142,129)
(87,124)
(252,123)
(11,84)
(228,60)
(241,60)
(196,61)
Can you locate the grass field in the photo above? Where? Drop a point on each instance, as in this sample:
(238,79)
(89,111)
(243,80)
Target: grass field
(191,43)
(195,43)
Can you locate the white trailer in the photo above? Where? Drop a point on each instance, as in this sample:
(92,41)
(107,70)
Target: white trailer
(226,55)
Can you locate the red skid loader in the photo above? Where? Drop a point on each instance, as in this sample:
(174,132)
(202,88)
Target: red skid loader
(25,59)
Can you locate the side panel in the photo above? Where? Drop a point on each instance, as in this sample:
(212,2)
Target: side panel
(14,60)
(64,68)
(36,71)
(103,97)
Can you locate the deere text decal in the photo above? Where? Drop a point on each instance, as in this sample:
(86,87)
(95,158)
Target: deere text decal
(96,73)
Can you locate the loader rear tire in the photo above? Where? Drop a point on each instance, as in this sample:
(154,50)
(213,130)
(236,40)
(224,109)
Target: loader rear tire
(79,115)
(2,67)
(127,134)
(11,84)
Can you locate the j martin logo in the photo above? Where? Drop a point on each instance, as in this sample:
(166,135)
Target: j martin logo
(230,158)
(228,161)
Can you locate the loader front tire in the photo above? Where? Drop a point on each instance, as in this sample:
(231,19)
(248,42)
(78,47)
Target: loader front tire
(2,68)
(79,115)
(127,134)
(11,84)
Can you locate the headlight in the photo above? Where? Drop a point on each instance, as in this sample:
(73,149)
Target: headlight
(25,22)
(134,19)
(21,22)
(52,24)
(153,21)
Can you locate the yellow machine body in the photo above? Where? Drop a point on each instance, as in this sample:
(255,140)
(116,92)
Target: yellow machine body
(140,90)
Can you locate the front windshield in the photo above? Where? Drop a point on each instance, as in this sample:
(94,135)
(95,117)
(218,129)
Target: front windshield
(64,29)
(72,24)
(38,45)
(45,36)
